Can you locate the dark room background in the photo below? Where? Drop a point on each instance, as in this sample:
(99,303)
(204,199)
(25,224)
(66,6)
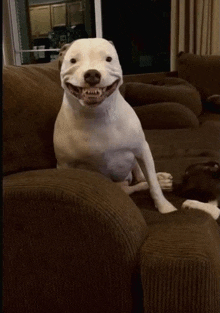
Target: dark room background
(140,30)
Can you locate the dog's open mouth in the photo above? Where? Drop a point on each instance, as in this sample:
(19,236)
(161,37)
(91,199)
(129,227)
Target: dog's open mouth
(92,95)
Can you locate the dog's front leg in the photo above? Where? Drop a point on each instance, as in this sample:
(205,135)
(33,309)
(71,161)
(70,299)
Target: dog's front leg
(146,162)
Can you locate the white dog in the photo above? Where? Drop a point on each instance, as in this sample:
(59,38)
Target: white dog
(97,129)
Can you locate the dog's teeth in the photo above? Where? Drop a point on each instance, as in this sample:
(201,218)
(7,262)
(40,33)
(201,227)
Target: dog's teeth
(92,91)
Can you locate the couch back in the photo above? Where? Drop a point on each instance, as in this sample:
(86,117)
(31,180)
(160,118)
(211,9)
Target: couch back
(32,96)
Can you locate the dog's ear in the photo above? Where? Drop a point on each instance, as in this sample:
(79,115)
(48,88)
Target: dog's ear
(111,42)
(62,53)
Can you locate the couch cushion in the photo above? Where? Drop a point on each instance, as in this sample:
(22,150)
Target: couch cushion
(203,72)
(169,89)
(174,150)
(209,116)
(32,97)
(166,115)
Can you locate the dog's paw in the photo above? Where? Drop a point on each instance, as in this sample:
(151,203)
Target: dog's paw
(165,180)
(212,209)
(166,207)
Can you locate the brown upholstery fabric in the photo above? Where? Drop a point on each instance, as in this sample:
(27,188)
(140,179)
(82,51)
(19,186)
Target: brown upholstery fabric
(71,242)
(209,116)
(174,151)
(180,267)
(181,253)
(169,89)
(32,97)
(72,239)
(148,78)
(166,115)
(203,72)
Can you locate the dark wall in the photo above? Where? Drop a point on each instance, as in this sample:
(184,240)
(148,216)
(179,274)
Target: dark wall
(140,30)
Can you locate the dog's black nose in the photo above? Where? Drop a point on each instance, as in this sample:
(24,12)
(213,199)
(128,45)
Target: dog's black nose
(92,77)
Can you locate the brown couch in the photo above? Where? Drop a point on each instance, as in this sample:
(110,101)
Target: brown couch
(73,241)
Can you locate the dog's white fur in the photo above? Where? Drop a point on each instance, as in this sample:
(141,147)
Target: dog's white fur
(106,136)
(211,207)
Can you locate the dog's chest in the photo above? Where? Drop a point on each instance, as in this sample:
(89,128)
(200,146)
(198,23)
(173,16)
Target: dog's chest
(99,139)
(107,149)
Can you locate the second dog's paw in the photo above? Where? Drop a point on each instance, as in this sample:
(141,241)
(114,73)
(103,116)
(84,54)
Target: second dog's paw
(212,209)
(165,180)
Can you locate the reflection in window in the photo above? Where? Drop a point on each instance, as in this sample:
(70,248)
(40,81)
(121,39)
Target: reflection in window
(55,24)
(45,24)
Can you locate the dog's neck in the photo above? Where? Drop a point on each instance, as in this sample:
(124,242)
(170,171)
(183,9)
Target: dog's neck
(107,110)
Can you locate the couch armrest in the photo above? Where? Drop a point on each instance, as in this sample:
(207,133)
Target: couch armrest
(71,242)
(180,264)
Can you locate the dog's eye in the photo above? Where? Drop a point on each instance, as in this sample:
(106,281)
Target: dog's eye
(109,59)
(73,60)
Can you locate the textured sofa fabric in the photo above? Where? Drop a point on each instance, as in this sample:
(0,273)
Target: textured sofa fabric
(165,262)
(166,115)
(32,96)
(174,151)
(169,89)
(203,72)
(165,103)
(71,244)
(73,241)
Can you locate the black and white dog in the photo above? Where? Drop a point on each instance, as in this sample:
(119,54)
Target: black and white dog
(201,184)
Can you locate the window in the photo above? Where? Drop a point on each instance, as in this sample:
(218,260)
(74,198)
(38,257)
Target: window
(41,27)
(140,29)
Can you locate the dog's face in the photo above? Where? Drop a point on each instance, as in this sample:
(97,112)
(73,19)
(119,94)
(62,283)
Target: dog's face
(201,181)
(91,71)
(209,168)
